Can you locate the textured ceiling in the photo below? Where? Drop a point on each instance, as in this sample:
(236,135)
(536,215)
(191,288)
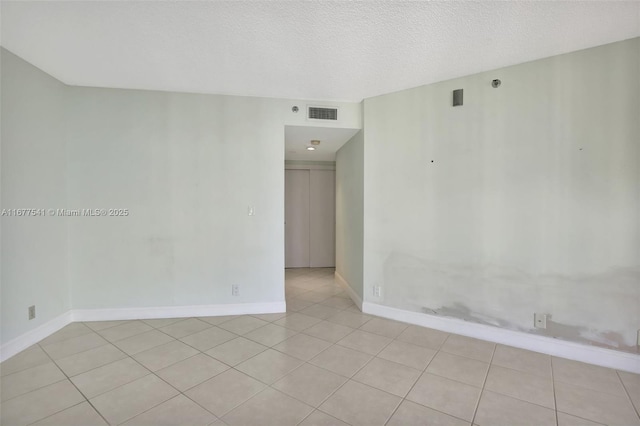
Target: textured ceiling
(299,49)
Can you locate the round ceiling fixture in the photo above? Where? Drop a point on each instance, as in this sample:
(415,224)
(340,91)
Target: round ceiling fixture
(311,148)
(315,142)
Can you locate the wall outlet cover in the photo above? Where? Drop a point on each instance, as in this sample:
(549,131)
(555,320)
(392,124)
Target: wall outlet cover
(32,312)
(540,320)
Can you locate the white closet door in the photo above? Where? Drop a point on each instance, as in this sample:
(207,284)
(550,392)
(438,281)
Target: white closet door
(323,218)
(296,219)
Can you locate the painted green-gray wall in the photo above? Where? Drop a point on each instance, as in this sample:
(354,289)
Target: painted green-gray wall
(33,175)
(349,211)
(524,199)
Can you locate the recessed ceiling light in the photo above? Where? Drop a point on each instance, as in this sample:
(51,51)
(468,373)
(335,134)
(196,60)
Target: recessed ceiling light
(311,148)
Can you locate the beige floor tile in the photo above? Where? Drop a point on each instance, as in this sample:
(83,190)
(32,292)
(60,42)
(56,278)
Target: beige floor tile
(469,347)
(297,321)
(128,329)
(302,346)
(236,351)
(243,324)
(270,334)
(318,418)
(517,384)
(350,319)
(337,302)
(597,406)
(522,360)
(33,406)
(219,319)
(569,420)
(162,322)
(133,398)
(208,338)
(270,404)
(185,328)
(225,391)
(410,413)
(192,371)
(328,331)
(320,311)
(496,409)
(88,360)
(362,341)
(421,336)
(312,296)
(359,404)
(74,329)
(445,395)
(384,327)
(108,377)
(590,376)
(82,414)
(310,384)
(178,411)
(164,355)
(74,345)
(269,366)
(294,305)
(407,354)
(28,380)
(388,376)
(30,357)
(103,325)
(459,368)
(341,360)
(270,317)
(631,383)
(141,342)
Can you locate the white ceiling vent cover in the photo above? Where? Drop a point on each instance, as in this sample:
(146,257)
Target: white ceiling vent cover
(322,113)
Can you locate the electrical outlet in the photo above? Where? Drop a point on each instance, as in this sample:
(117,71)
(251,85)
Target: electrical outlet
(540,320)
(376,291)
(235,290)
(32,312)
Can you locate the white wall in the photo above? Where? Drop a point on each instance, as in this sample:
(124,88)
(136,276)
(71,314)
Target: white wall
(525,199)
(349,211)
(33,175)
(187,167)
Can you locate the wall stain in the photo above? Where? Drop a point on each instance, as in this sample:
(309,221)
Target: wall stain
(598,309)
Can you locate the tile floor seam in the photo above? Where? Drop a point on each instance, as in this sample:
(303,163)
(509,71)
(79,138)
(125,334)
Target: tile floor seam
(424,371)
(79,391)
(484,383)
(555,398)
(183,393)
(33,390)
(636,409)
(86,350)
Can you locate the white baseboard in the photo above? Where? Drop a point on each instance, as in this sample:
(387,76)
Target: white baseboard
(29,338)
(547,345)
(352,294)
(178,311)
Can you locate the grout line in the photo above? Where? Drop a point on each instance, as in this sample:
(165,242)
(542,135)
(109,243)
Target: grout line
(553,385)
(637,409)
(484,382)
(79,391)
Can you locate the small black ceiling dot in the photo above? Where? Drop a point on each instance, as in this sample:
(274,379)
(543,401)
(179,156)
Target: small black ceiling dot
(432,161)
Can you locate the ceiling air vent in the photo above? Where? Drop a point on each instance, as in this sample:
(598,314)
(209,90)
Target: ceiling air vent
(320,113)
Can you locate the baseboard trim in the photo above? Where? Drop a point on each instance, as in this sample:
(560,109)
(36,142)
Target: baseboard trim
(579,352)
(352,294)
(178,311)
(29,338)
